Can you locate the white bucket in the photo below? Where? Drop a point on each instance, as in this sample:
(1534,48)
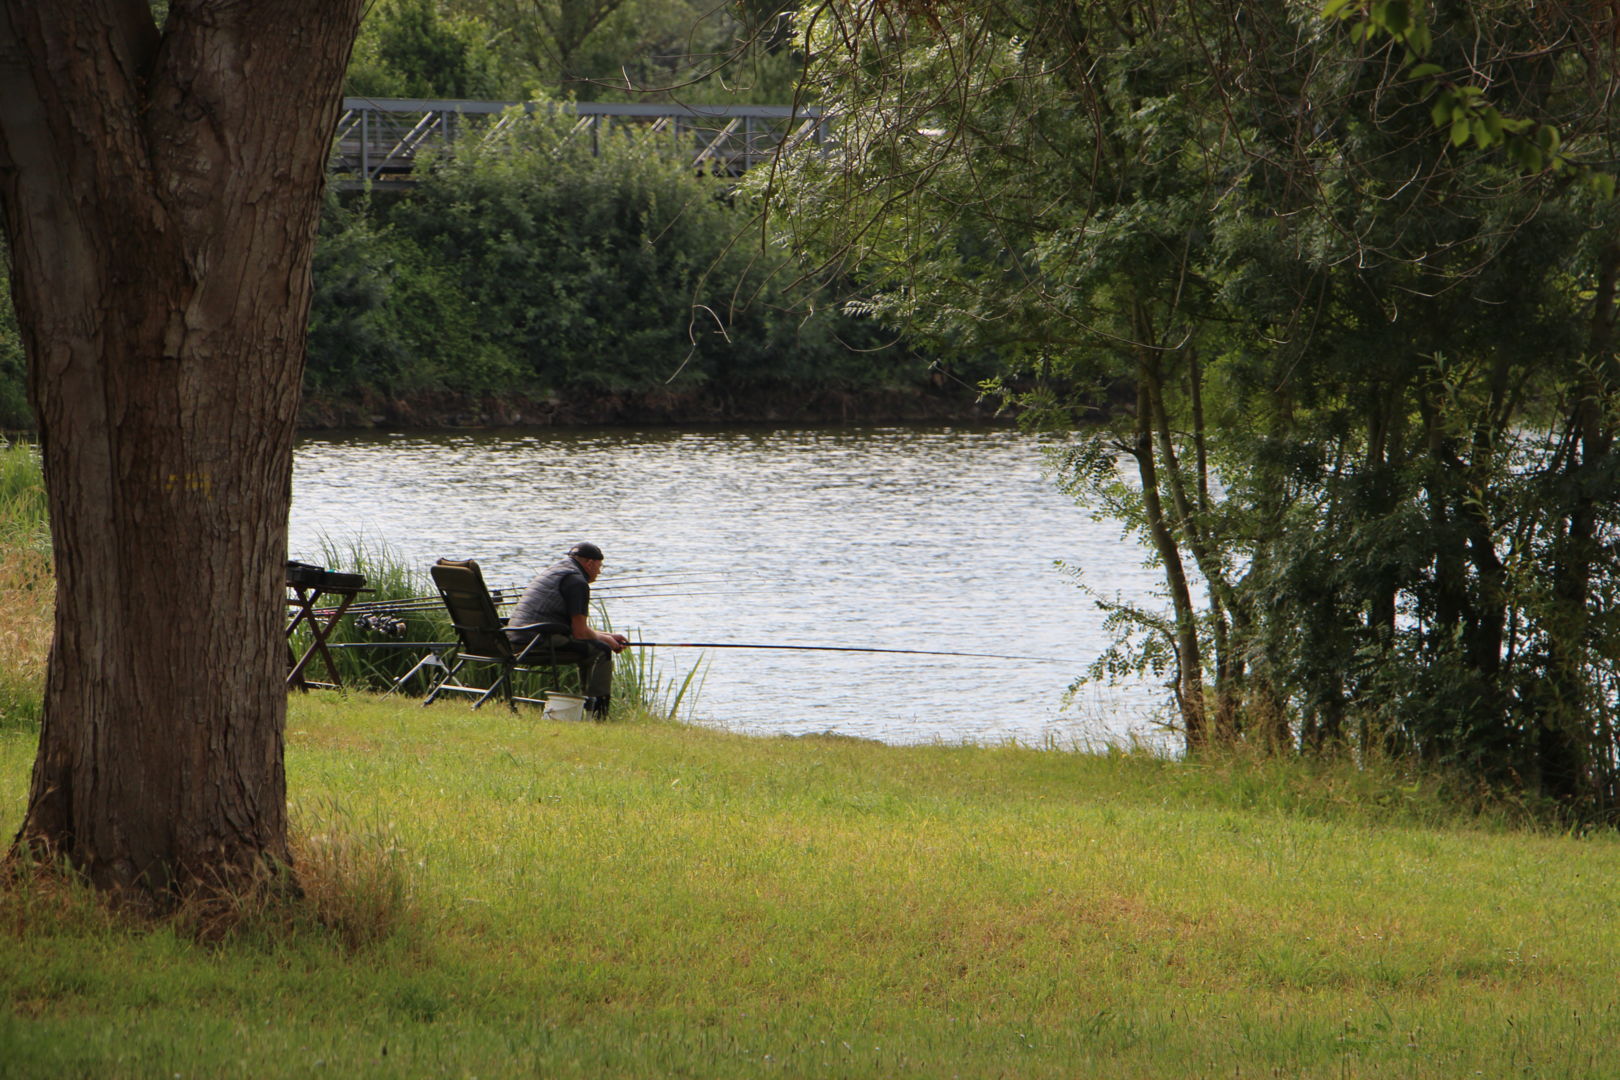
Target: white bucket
(564,707)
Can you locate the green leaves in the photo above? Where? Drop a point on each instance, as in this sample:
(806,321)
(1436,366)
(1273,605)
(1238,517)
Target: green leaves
(1461,110)
(1402,20)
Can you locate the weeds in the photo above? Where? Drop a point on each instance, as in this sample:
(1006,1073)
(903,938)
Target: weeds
(638,683)
(27,587)
(354,876)
(348,881)
(40,896)
(22,495)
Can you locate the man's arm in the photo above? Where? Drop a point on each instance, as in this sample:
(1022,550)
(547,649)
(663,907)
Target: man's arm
(582,630)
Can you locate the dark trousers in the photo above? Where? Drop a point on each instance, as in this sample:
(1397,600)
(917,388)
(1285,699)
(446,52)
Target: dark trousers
(595,662)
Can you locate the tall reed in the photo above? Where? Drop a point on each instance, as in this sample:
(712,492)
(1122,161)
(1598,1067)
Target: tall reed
(377,662)
(22,492)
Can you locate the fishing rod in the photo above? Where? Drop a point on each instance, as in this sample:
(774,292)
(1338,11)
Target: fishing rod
(687,583)
(412,605)
(724,645)
(510,595)
(839,648)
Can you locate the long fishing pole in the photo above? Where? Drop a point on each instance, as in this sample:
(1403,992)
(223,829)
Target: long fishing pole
(839,648)
(721,645)
(510,595)
(665,579)
(431,604)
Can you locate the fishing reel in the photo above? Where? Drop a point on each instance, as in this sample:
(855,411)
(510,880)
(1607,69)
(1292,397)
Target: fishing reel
(386,623)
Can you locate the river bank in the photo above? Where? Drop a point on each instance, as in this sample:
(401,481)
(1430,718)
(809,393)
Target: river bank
(427,410)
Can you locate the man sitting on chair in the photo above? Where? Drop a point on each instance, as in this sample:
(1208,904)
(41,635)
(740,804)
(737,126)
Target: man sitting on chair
(562,594)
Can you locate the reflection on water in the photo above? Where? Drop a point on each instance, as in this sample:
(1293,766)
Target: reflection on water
(896,537)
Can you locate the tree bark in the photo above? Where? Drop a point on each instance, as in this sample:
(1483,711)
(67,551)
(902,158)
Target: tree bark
(161,193)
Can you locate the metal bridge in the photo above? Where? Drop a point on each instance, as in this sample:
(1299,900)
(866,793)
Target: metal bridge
(378,139)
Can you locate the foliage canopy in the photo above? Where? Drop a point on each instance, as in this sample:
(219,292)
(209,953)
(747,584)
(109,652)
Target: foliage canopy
(1357,269)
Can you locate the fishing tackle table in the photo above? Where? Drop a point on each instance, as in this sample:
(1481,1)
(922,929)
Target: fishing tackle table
(307,586)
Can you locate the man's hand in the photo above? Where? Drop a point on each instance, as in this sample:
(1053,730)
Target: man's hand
(616,642)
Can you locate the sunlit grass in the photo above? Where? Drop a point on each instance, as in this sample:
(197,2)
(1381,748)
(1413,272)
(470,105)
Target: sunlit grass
(659,899)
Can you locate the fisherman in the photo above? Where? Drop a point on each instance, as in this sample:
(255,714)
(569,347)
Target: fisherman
(562,594)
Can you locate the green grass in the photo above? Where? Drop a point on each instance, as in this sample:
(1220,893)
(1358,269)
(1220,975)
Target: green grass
(27,590)
(22,492)
(501,895)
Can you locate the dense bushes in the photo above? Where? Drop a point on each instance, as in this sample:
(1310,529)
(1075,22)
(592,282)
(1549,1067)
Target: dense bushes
(543,264)
(384,317)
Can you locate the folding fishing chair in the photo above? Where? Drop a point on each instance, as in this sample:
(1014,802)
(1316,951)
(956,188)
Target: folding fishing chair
(483,642)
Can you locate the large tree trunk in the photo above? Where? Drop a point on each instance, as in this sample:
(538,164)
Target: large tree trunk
(161,195)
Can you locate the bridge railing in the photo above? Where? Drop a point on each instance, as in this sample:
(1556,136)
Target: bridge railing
(379,139)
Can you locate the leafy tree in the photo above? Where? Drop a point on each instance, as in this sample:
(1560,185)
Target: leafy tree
(644,50)
(385,320)
(413,49)
(1370,360)
(1027,181)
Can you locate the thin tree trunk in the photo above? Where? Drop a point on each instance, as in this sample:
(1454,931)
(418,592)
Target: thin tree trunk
(1189,522)
(1190,676)
(161,200)
(1564,744)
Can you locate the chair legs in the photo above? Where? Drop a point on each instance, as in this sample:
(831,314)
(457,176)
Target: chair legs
(430,660)
(502,685)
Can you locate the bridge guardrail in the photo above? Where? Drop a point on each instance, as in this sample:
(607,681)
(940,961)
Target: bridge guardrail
(379,139)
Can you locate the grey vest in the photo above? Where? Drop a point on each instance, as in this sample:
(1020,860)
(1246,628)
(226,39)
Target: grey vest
(542,601)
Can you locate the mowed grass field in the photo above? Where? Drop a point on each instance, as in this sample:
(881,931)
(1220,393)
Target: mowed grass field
(499,895)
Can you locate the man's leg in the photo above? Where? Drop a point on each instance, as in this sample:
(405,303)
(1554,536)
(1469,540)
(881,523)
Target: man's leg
(595,662)
(596,676)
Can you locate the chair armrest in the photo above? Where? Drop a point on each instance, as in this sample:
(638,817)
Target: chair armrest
(542,631)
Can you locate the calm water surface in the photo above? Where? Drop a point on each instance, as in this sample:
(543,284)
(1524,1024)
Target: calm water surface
(897,537)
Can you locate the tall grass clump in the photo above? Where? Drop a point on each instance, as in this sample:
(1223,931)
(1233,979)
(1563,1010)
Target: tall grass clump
(22,490)
(639,684)
(638,681)
(352,874)
(27,586)
(399,606)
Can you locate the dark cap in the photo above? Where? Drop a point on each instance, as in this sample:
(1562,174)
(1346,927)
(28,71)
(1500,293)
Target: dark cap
(584,550)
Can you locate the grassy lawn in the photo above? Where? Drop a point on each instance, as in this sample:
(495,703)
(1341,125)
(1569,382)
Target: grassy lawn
(510,896)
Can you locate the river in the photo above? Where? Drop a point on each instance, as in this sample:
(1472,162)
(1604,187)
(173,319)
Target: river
(906,537)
